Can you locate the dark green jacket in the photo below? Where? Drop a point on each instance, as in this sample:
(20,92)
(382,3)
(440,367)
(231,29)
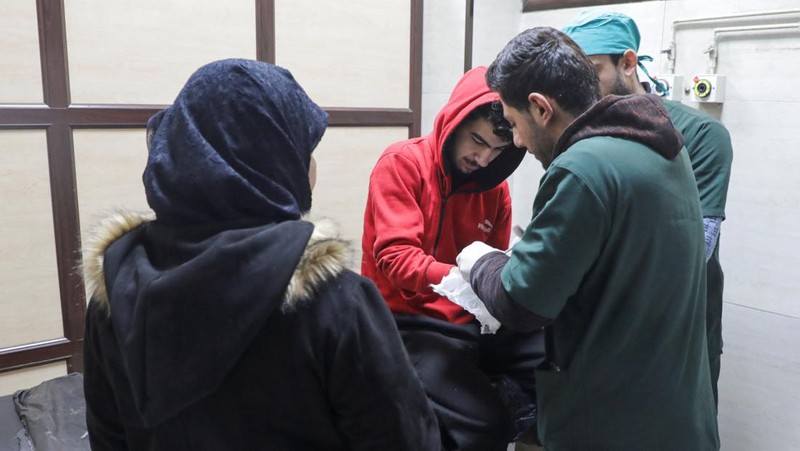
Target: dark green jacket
(614,255)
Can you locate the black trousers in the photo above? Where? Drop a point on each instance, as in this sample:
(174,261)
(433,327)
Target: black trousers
(715,279)
(464,374)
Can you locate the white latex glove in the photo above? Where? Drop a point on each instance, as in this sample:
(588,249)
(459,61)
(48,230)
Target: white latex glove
(469,255)
(458,291)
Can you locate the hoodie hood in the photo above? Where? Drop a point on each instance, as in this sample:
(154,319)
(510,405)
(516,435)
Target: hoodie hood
(185,304)
(235,146)
(636,117)
(471,92)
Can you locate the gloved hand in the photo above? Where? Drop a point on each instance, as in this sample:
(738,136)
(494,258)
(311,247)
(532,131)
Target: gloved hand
(458,291)
(470,254)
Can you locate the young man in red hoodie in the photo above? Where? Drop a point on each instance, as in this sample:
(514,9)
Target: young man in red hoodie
(429,197)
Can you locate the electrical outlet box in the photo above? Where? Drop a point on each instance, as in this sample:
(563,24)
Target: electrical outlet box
(709,88)
(673,83)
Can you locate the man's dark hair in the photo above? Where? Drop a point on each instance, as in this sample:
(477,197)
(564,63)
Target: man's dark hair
(492,112)
(546,61)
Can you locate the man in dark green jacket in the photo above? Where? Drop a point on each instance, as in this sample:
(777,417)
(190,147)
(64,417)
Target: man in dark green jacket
(611,262)
(612,42)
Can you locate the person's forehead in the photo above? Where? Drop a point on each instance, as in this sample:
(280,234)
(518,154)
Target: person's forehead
(481,126)
(508,110)
(485,129)
(479,122)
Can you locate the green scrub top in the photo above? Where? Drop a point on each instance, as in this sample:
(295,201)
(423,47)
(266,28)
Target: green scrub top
(711,153)
(614,252)
(709,145)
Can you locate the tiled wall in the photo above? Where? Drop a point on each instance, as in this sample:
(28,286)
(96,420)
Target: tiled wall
(760,244)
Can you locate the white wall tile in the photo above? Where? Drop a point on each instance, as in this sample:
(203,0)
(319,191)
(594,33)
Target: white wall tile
(760,247)
(759,396)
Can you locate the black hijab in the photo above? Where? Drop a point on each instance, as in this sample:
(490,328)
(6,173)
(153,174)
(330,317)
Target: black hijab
(235,146)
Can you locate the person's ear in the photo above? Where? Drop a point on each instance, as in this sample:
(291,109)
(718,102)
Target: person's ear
(540,108)
(629,62)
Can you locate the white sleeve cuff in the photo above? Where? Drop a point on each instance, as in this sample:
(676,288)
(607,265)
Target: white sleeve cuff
(711,225)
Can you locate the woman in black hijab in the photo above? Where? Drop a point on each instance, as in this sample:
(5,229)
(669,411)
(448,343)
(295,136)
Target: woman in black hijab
(227,321)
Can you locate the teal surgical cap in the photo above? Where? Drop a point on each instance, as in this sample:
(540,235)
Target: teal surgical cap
(603,33)
(608,33)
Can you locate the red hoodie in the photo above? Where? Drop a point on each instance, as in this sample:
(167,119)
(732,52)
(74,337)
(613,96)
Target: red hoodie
(415,224)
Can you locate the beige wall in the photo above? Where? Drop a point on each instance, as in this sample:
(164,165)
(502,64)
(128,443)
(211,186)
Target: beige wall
(443,53)
(143,51)
(30,309)
(346,54)
(345,158)
(20,73)
(13,381)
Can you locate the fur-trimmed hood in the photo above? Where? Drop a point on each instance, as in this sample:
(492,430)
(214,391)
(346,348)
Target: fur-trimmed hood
(324,257)
(186,302)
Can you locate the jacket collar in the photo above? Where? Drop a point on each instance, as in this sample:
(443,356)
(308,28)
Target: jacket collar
(325,256)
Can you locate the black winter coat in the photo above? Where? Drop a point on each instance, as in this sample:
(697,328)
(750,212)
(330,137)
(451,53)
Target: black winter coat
(184,351)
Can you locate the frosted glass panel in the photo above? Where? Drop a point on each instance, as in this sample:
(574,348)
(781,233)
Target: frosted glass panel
(29,377)
(20,70)
(109,166)
(345,158)
(30,306)
(144,51)
(353,53)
